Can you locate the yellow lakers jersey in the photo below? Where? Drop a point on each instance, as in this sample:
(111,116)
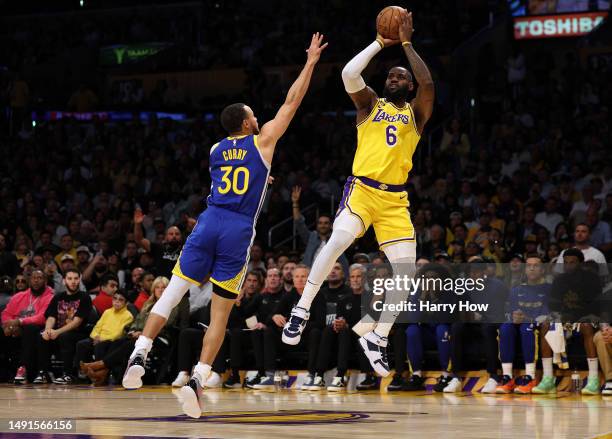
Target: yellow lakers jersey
(386,141)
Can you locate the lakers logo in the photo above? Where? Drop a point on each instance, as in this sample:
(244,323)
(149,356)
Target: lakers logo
(280,417)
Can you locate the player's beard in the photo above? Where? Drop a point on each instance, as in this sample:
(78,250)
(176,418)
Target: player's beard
(400,93)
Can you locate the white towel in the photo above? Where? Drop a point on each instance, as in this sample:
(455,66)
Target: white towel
(556,339)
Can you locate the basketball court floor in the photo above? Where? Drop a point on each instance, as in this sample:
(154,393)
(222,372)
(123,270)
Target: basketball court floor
(155,412)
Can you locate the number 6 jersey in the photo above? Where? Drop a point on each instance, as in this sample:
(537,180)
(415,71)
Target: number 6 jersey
(386,141)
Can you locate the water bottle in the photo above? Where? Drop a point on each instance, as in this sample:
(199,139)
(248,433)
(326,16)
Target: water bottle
(576,382)
(278,379)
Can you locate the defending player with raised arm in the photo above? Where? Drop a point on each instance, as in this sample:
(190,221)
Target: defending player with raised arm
(388,131)
(218,248)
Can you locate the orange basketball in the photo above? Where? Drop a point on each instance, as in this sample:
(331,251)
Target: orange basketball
(387,22)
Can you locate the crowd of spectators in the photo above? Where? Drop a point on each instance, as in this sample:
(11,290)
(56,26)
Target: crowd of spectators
(532,175)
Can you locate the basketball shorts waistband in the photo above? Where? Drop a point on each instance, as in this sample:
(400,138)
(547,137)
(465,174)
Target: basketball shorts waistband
(380,186)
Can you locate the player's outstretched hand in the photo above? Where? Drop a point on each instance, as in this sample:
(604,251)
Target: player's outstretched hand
(405,27)
(315,49)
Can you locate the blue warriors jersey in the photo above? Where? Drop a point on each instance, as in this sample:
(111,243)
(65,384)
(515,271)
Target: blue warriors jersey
(218,248)
(239,175)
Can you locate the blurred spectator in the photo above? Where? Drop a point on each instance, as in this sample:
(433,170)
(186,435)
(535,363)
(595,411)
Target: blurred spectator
(83,99)
(145,291)
(8,262)
(549,218)
(582,241)
(24,317)
(66,316)
(108,287)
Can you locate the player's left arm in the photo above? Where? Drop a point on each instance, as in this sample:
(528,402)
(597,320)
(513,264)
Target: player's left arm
(422,104)
(274,129)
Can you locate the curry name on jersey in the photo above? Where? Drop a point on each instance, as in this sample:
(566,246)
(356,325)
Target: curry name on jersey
(239,175)
(386,141)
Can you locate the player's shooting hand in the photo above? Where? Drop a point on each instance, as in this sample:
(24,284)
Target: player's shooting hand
(296,192)
(405,28)
(386,41)
(279,319)
(315,49)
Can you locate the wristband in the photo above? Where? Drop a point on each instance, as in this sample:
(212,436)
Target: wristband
(406,43)
(380,42)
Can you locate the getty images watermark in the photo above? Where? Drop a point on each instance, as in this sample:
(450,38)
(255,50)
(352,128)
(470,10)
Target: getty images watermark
(410,286)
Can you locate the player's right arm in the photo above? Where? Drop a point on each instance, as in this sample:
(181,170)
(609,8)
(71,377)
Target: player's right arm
(363,96)
(274,129)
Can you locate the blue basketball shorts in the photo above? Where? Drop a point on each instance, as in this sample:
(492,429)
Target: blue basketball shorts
(218,246)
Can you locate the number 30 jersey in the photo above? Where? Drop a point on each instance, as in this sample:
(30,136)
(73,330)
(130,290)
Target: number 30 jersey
(239,175)
(386,141)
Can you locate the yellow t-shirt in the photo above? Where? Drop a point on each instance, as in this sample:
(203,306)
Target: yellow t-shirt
(386,141)
(112,324)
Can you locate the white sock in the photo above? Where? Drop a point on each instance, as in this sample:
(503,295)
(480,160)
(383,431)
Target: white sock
(310,292)
(142,344)
(417,373)
(547,367)
(530,369)
(507,369)
(593,367)
(201,371)
(383,329)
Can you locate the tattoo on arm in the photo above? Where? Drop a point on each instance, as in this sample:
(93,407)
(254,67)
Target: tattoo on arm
(423,103)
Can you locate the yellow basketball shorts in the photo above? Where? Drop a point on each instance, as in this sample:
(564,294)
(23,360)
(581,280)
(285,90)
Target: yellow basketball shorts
(385,210)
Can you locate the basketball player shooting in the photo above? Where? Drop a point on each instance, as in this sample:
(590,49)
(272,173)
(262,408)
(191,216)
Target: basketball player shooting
(220,243)
(388,131)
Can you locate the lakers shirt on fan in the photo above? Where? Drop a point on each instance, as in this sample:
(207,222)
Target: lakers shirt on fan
(220,242)
(386,141)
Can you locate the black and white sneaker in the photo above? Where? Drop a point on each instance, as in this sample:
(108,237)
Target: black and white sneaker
(442,383)
(375,349)
(292,332)
(337,385)
(415,382)
(397,383)
(368,383)
(607,391)
(190,398)
(132,378)
(318,383)
(64,379)
(252,382)
(41,378)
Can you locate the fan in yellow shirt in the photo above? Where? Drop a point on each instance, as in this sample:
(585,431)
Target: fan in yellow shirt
(109,328)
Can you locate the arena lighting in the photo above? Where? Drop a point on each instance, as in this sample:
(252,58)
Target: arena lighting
(557,26)
(112,116)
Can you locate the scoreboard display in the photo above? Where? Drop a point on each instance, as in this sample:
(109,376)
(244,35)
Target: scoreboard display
(556,18)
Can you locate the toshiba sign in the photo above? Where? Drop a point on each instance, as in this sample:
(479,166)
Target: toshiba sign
(555,26)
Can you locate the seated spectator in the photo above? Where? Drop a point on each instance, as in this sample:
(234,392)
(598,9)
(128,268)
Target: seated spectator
(118,353)
(549,218)
(145,292)
(66,248)
(256,259)
(108,286)
(527,302)
(83,258)
(23,319)
(310,339)
(262,307)
(109,328)
(134,284)
(287,275)
(334,293)
(65,325)
(582,241)
(573,297)
(315,239)
(239,340)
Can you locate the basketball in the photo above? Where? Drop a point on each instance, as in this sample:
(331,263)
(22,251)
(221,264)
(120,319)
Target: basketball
(387,22)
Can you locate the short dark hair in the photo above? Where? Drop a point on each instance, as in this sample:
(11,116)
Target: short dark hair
(72,270)
(122,293)
(583,225)
(232,117)
(107,278)
(574,252)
